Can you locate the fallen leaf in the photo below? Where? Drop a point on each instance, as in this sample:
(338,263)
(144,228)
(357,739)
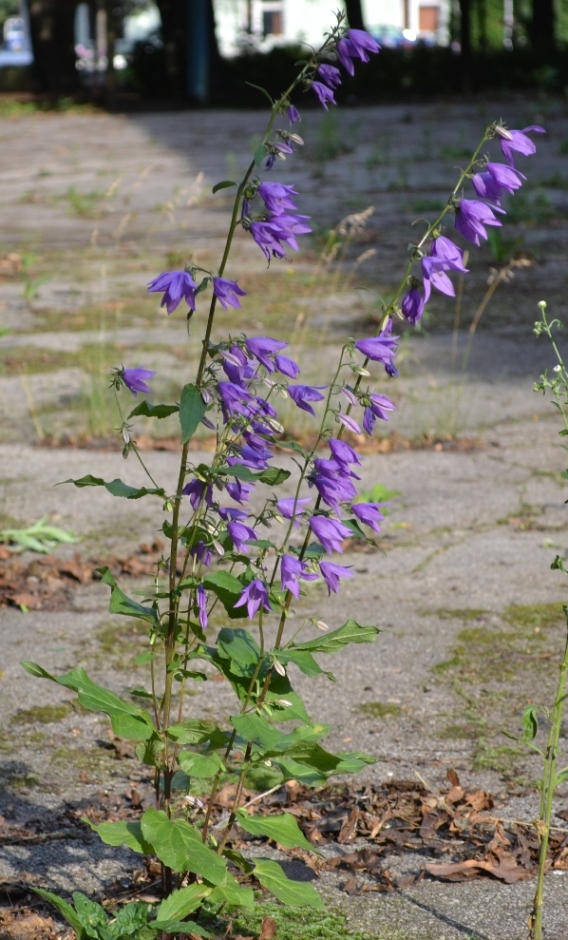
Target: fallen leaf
(268,929)
(347,831)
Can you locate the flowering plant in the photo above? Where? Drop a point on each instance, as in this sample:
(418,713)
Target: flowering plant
(238,548)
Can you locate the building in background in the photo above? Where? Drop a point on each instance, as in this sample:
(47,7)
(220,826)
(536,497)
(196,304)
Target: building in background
(262,24)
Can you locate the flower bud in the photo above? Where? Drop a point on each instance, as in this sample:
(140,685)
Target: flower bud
(321,625)
(279,668)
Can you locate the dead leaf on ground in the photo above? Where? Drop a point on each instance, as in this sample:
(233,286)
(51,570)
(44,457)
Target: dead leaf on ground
(268,929)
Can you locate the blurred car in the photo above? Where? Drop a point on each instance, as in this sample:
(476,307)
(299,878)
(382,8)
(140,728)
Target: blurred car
(391,37)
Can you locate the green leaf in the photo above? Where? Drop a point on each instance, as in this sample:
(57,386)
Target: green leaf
(192,731)
(350,632)
(153,411)
(530,724)
(256,728)
(65,909)
(241,648)
(294,893)
(234,895)
(181,903)
(120,603)
(241,473)
(282,829)
(179,846)
(150,751)
(177,927)
(561,777)
(192,408)
(224,184)
(238,859)
(122,832)
(117,487)
(200,765)
(273,476)
(260,153)
(90,913)
(128,721)
(304,660)
(228,589)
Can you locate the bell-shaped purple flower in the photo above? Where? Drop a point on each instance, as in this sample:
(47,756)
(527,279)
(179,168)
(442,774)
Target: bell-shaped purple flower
(381,348)
(135,379)
(343,453)
(434,275)
(227,292)
(380,405)
(240,534)
(287,366)
(276,197)
(198,490)
(267,236)
(330,532)
(486,187)
(290,508)
(363,43)
(444,249)
(506,177)
(235,400)
(254,596)
(291,569)
(519,142)
(301,395)
(325,94)
(177,285)
(331,574)
(202,606)
(263,348)
(369,514)
(293,114)
(239,491)
(472,217)
(413,305)
(348,422)
(232,514)
(330,75)
(346,53)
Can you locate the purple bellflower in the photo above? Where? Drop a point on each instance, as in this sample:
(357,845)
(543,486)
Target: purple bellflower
(330,75)
(293,114)
(346,53)
(369,514)
(290,570)
(202,606)
(348,422)
(239,491)
(330,532)
(471,218)
(135,379)
(226,292)
(235,400)
(232,513)
(254,596)
(301,395)
(444,249)
(434,275)
(378,407)
(262,348)
(177,285)
(356,45)
(413,305)
(197,490)
(486,187)
(379,348)
(343,453)
(290,508)
(331,574)
(325,94)
(276,197)
(241,533)
(519,142)
(287,366)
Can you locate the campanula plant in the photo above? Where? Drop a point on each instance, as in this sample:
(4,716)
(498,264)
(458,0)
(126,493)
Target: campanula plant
(238,547)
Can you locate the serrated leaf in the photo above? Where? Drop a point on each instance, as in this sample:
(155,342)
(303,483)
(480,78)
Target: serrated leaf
(350,632)
(200,765)
(224,184)
(294,893)
(146,410)
(183,902)
(192,409)
(282,829)
(179,846)
(118,487)
(120,603)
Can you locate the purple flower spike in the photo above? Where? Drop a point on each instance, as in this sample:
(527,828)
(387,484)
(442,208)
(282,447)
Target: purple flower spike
(471,218)
(262,347)
(202,606)
(276,197)
(369,514)
(413,305)
(293,114)
(324,94)
(330,532)
(226,292)
(330,75)
(254,595)
(240,534)
(135,379)
(332,573)
(303,394)
(519,142)
(177,285)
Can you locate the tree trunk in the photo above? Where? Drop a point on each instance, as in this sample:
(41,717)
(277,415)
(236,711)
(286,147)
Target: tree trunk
(52,29)
(465,43)
(354,14)
(542,25)
(175,16)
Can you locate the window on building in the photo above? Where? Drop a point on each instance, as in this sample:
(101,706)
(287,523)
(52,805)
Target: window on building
(272,22)
(427,19)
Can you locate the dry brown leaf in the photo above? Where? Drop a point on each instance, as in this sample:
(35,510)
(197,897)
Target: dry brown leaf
(268,929)
(453,777)
(347,831)
(350,887)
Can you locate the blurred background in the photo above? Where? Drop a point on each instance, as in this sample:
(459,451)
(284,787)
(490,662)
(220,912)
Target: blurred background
(134,52)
